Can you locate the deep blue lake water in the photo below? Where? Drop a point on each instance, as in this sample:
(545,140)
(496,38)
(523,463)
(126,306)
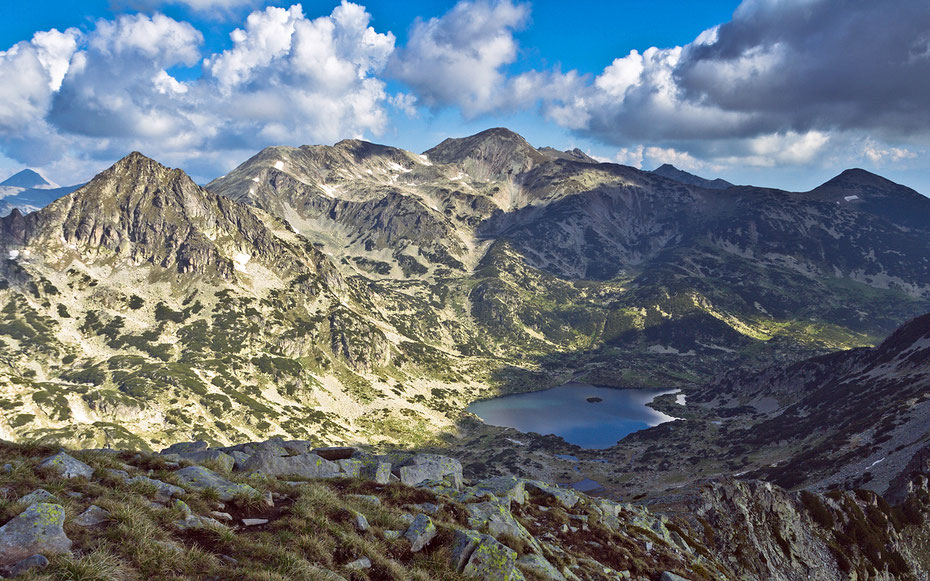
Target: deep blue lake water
(565,411)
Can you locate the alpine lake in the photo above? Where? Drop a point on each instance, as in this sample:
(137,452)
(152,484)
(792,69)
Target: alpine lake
(586,415)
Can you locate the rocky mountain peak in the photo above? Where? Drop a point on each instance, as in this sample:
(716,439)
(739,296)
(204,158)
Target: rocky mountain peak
(144,212)
(496,153)
(859,178)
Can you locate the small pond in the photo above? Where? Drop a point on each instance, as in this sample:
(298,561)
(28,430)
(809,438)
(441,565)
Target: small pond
(585,415)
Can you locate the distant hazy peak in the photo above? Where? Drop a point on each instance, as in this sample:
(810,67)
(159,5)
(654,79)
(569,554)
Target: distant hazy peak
(673,173)
(28,179)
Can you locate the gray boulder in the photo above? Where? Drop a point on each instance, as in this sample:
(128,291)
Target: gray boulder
(163,491)
(93,516)
(497,518)
(224,460)
(239,458)
(669,576)
(540,567)
(373,468)
(66,466)
(38,495)
(420,532)
(463,545)
(359,564)
(37,530)
(359,520)
(506,488)
(303,465)
(200,478)
(422,467)
(26,565)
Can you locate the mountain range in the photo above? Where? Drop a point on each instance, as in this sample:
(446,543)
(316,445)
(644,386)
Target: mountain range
(359,292)
(27,191)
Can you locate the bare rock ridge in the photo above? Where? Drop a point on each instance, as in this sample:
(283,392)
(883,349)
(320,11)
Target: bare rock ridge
(142,211)
(667,170)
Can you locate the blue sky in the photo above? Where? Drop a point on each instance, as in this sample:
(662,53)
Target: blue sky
(767,92)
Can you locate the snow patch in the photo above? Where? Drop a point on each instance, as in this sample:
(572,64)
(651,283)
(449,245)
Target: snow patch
(397,167)
(681,399)
(255,179)
(14,254)
(240,260)
(329,190)
(279,165)
(850,198)
(425,159)
(879,461)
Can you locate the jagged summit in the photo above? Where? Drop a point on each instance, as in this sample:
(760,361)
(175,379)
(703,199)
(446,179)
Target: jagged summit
(145,212)
(669,171)
(28,179)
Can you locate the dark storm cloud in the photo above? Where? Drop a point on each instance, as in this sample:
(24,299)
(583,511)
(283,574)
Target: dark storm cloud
(827,64)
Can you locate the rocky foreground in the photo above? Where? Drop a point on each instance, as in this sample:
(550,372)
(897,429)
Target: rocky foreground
(282,510)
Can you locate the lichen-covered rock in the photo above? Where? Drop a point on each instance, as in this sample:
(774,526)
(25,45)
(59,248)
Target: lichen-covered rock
(302,465)
(540,567)
(37,530)
(200,478)
(93,516)
(484,558)
(350,468)
(420,532)
(66,466)
(359,520)
(498,520)
(422,467)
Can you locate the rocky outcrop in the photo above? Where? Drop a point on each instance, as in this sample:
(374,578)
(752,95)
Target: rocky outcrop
(66,466)
(200,478)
